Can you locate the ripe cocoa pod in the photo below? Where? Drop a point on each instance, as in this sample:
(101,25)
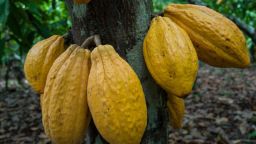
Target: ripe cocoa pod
(218,41)
(170,56)
(65,111)
(40,59)
(82,1)
(176,107)
(115,98)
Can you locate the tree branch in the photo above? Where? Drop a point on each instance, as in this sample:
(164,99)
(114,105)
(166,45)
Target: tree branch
(197,2)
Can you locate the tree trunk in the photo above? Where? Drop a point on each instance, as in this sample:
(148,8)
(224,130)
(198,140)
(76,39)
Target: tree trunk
(123,24)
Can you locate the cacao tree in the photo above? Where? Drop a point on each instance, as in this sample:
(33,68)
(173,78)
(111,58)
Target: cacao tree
(123,24)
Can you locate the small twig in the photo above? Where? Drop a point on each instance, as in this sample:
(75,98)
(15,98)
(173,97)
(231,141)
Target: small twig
(244,141)
(97,40)
(157,14)
(65,35)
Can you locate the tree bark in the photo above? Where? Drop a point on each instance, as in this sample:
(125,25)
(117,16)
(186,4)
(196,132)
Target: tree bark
(123,24)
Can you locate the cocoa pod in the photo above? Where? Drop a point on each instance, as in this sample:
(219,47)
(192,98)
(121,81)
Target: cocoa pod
(170,57)
(115,98)
(176,107)
(40,59)
(218,41)
(65,111)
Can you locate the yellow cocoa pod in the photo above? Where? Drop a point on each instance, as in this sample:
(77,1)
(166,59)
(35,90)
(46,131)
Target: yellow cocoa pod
(218,41)
(170,56)
(115,98)
(65,111)
(176,107)
(40,59)
(82,1)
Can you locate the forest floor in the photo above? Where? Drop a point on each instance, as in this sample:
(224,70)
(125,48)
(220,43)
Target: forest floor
(221,109)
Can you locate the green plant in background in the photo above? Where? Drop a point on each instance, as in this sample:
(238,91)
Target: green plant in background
(252,135)
(160,4)
(23,22)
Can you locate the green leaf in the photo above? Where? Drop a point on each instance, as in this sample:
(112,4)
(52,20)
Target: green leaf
(4,12)
(252,135)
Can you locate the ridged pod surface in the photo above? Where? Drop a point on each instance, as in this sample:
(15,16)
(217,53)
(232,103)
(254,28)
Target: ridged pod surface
(176,107)
(40,59)
(115,98)
(82,1)
(218,41)
(170,56)
(64,105)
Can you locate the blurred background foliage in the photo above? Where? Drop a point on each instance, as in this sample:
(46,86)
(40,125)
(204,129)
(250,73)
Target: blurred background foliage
(24,22)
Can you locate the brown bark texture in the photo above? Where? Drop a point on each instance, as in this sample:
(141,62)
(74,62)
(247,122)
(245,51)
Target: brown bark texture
(123,24)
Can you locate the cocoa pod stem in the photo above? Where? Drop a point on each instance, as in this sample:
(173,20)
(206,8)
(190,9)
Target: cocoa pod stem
(88,42)
(91,42)
(68,38)
(97,40)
